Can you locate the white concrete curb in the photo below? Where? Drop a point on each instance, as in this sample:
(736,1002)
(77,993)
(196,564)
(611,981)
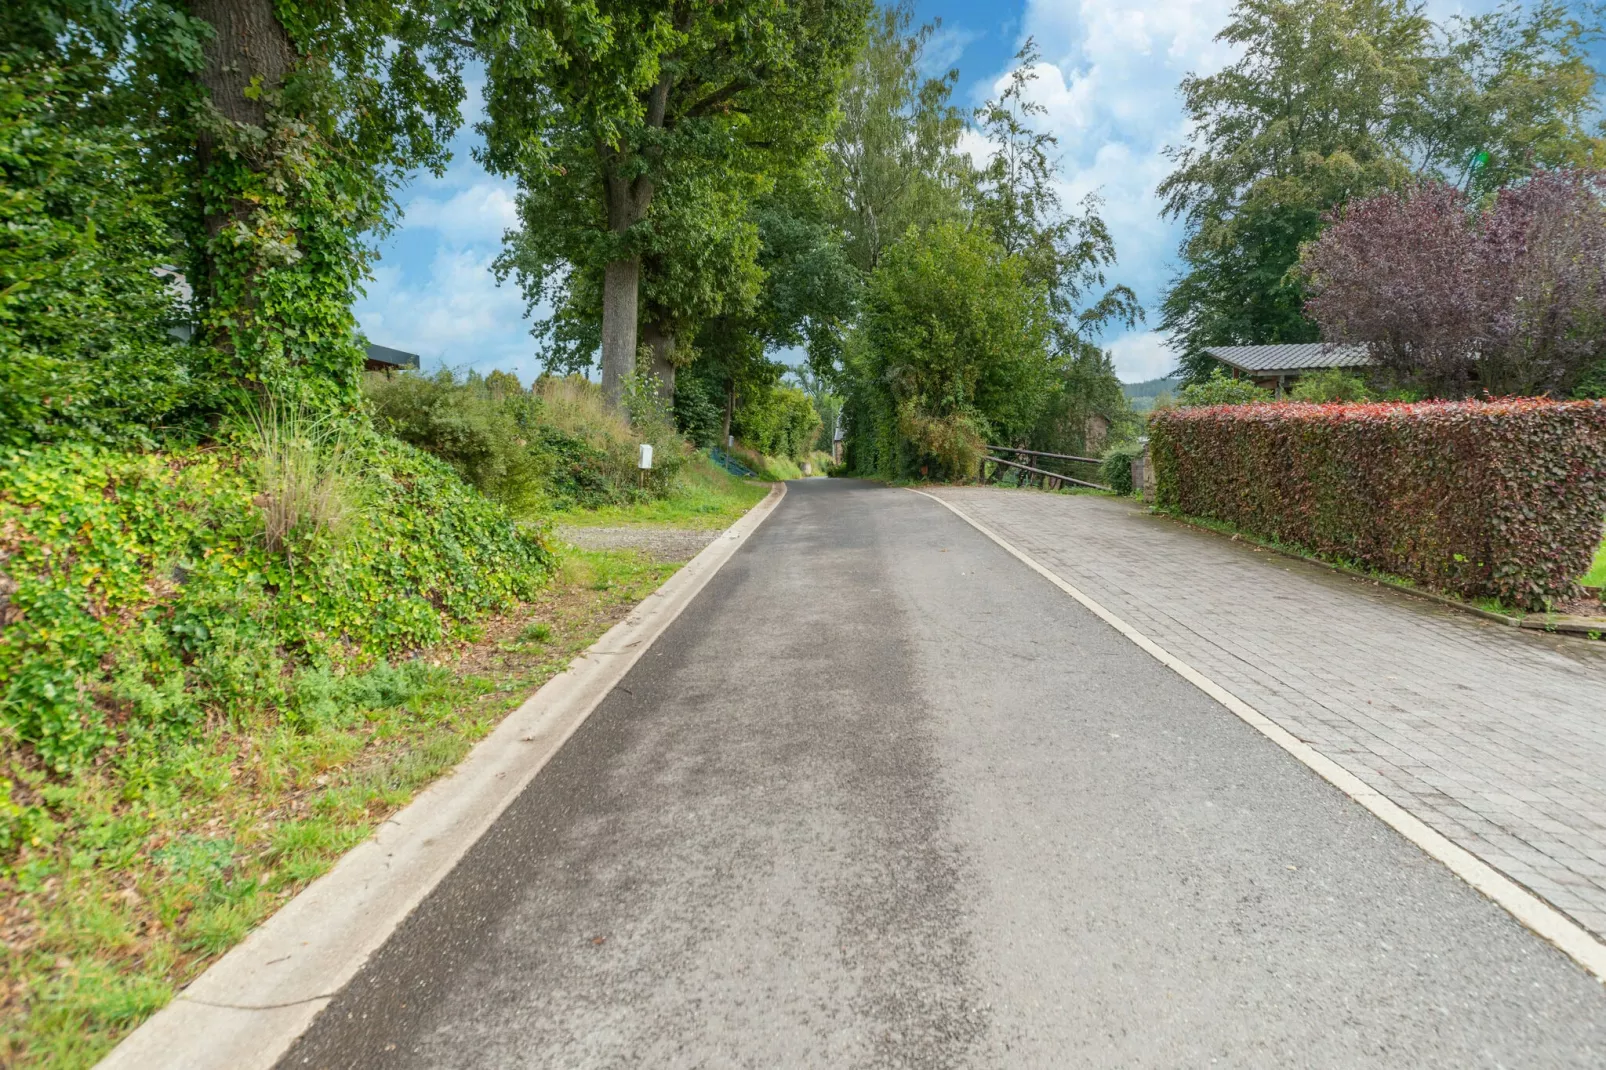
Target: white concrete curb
(250,1005)
(1573,940)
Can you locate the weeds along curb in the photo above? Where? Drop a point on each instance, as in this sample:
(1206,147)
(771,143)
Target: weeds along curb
(1526,623)
(247,1009)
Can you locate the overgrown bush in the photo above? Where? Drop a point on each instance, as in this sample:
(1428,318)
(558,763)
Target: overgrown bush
(1222,389)
(781,421)
(142,594)
(952,352)
(1116,467)
(485,434)
(1500,499)
(84,348)
(1329,385)
(556,446)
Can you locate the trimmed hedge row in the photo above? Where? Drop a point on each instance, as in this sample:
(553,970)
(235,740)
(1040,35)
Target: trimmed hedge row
(1503,499)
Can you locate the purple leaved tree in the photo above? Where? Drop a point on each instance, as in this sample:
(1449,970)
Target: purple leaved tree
(1457,300)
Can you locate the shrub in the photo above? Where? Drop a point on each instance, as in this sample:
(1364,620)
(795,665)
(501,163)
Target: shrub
(85,352)
(1498,499)
(1221,389)
(1329,385)
(141,595)
(483,433)
(1116,467)
(780,421)
(557,446)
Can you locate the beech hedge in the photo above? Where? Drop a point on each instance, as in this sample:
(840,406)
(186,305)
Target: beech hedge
(1500,499)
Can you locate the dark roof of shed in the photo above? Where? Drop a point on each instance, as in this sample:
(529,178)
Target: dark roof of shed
(396,358)
(1301,356)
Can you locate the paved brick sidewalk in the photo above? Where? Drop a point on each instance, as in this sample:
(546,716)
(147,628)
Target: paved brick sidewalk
(1494,737)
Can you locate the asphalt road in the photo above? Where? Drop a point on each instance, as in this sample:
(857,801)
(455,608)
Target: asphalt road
(884,797)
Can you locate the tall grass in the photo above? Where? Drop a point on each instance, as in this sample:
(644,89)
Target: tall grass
(307,471)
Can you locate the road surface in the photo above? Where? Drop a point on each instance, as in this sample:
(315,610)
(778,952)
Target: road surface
(884,797)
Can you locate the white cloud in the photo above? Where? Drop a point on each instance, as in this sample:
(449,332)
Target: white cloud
(943,50)
(478,214)
(459,318)
(1141,355)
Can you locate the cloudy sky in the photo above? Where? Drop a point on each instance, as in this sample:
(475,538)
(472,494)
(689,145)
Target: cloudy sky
(1109,80)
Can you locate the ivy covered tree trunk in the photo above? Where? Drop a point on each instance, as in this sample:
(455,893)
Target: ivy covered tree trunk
(280,210)
(247,60)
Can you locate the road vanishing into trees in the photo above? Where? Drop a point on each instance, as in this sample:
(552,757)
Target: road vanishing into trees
(884,796)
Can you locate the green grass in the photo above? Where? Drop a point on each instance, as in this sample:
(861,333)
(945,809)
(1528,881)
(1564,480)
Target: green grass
(114,907)
(705,497)
(1596,576)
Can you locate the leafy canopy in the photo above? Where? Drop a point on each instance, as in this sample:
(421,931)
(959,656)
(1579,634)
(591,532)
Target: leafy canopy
(952,352)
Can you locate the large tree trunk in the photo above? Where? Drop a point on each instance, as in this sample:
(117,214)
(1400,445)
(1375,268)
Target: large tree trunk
(660,338)
(249,49)
(620,285)
(628,201)
(248,45)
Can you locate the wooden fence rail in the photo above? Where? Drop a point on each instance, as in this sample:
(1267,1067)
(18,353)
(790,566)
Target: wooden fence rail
(1048,480)
(1039,453)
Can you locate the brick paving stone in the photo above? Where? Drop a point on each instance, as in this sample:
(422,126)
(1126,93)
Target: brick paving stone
(1494,737)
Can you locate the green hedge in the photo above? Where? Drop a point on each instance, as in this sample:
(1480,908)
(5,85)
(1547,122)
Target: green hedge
(1501,499)
(140,597)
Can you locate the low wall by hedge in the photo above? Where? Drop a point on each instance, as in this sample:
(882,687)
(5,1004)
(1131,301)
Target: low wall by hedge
(1502,499)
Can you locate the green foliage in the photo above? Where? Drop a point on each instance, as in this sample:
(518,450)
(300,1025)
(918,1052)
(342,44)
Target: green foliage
(1593,384)
(644,149)
(698,412)
(556,446)
(1116,467)
(1016,198)
(826,403)
(1334,99)
(895,161)
(1328,385)
(1085,390)
(260,170)
(1498,500)
(780,422)
(84,349)
(144,594)
(952,352)
(1221,389)
(478,426)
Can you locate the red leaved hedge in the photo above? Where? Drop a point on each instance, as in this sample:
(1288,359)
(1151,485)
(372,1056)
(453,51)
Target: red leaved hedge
(1502,499)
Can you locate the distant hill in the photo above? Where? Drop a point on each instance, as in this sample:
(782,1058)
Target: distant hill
(1142,395)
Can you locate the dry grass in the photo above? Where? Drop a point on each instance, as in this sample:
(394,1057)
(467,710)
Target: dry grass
(305,470)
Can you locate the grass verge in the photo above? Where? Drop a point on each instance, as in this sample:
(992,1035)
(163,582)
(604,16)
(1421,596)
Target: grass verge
(705,497)
(103,921)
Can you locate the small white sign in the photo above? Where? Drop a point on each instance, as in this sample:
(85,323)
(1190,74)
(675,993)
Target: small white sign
(646,457)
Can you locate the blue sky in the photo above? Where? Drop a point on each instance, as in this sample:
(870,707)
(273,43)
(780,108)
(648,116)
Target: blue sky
(1108,78)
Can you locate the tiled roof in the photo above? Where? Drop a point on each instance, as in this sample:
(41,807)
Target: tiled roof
(395,358)
(1301,356)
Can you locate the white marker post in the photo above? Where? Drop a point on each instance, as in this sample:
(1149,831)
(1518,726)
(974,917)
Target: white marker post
(644,463)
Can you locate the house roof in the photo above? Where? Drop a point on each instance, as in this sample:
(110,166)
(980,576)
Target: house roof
(392,358)
(1302,356)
